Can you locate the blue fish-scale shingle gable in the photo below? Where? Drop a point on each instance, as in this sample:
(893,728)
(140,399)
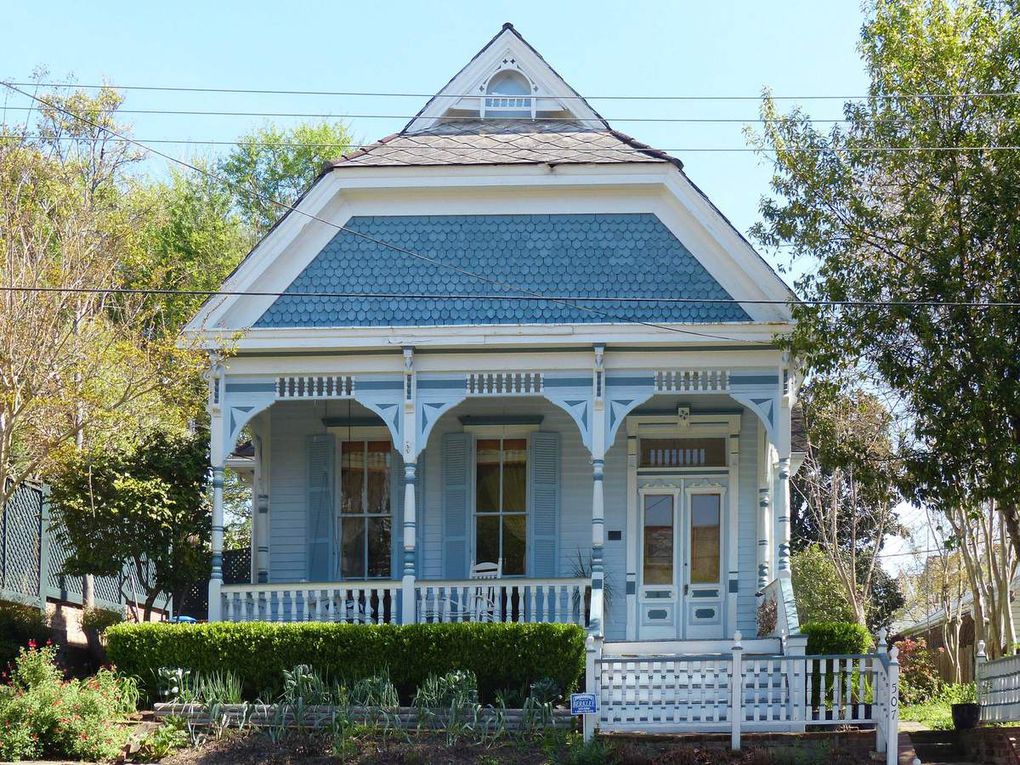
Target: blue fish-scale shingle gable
(573,256)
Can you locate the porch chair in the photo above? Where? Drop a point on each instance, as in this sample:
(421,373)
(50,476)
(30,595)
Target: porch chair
(478,604)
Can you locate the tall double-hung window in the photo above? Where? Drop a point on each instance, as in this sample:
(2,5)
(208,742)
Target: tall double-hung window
(501,503)
(366,509)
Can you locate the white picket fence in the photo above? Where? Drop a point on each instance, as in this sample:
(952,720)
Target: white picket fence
(730,692)
(998,687)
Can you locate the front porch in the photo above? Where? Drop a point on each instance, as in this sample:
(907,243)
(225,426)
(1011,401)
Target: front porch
(643,505)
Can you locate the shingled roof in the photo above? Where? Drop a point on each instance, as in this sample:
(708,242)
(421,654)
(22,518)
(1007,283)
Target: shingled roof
(505,142)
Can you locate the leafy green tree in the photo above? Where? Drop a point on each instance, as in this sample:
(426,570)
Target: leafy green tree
(820,595)
(911,200)
(273,164)
(144,505)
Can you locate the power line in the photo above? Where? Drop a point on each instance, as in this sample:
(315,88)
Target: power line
(353,232)
(513,151)
(402,94)
(504,296)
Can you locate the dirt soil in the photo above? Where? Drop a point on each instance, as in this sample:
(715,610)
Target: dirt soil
(257,749)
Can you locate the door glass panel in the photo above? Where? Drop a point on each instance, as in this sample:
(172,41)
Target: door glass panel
(486,538)
(487,477)
(379,546)
(705,538)
(515,475)
(658,539)
(378,464)
(515,529)
(352,552)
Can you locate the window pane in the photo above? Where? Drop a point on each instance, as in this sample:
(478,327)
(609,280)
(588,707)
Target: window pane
(378,459)
(352,476)
(486,538)
(379,549)
(658,539)
(515,534)
(683,452)
(352,550)
(705,538)
(515,475)
(487,476)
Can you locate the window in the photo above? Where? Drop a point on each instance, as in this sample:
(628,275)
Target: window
(705,538)
(501,502)
(657,556)
(366,510)
(508,94)
(683,452)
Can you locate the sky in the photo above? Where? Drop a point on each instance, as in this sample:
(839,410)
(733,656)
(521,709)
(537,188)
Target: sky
(801,49)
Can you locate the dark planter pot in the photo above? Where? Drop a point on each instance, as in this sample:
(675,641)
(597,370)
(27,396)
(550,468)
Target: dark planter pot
(966,716)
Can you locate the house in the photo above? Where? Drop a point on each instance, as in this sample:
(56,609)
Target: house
(509,364)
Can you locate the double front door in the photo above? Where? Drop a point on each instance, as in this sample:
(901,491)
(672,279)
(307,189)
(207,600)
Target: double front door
(679,587)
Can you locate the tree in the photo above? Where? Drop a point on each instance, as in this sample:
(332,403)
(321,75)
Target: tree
(73,361)
(820,595)
(844,497)
(912,202)
(144,505)
(277,165)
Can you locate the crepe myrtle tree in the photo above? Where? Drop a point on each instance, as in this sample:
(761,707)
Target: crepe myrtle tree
(144,506)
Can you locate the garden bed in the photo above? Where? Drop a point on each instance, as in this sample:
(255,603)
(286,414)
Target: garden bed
(322,716)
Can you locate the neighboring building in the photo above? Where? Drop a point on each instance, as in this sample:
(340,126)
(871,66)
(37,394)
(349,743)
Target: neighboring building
(508,341)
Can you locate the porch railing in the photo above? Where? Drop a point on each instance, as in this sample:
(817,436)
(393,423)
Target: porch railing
(998,687)
(381,602)
(351,602)
(730,692)
(504,600)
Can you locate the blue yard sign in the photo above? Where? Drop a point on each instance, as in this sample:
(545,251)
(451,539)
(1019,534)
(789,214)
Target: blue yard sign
(583,704)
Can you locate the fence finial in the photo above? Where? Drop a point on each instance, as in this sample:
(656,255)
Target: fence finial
(737,637)
(893,653)
(881,639)
(981,650)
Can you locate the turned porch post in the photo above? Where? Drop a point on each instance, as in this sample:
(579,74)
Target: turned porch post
(217,459)
(598,511)
(782,484)
(408,607)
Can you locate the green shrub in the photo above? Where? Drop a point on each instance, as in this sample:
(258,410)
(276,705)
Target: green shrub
(41,714)
(500,655)
(19,626)
(836,638)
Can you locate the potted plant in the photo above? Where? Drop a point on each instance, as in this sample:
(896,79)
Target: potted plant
(967,711)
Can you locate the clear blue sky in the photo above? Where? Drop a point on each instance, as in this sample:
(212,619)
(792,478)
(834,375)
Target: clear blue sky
(725,47)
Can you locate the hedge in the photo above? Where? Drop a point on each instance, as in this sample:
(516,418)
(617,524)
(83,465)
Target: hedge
(836,638)
(503,656)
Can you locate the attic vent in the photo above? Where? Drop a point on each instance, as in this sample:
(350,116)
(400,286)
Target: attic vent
(508,94)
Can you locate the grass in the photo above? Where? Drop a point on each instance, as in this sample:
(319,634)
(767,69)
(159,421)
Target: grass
(937,712)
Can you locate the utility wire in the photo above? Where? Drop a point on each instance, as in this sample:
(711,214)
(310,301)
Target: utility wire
(382,243)
(511,298)
(400,94)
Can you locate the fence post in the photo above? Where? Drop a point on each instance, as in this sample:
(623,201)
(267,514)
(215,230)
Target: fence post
(796,679)
(893,710)
(593,652)
(44,547)
(979,664)
(736,692)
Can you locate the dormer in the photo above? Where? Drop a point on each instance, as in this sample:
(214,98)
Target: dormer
(506,80)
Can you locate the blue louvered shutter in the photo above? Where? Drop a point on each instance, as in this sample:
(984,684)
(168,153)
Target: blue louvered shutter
(456,459)
(545,503)
(397,523)
(319,528)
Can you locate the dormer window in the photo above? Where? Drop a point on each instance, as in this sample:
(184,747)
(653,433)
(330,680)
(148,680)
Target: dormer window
(508,94)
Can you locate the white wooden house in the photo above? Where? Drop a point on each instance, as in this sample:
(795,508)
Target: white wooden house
(509,335)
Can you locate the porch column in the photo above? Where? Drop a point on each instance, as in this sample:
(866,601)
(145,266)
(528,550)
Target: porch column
(782,501)
(216,577)
(598,534)
(763,538)
(410,539)
(260,522)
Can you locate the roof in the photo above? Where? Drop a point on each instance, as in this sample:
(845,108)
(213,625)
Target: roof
(505,142)
(587,259)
